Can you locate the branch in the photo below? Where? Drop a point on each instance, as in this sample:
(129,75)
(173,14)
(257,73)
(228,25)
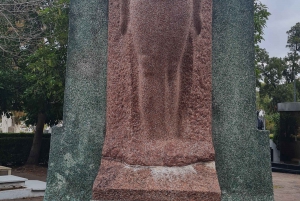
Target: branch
(10,24)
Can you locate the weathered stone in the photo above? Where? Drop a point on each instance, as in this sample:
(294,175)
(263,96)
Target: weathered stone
(76,148)
(158,101)
(119,181)
(242,152)
(127,138)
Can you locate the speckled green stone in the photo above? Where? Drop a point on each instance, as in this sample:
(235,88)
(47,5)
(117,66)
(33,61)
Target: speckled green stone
(76,148)
(242,152)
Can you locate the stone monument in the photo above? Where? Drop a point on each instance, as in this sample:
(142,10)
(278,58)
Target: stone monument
(158,143)
(75,149)
(160,123)
(243,158)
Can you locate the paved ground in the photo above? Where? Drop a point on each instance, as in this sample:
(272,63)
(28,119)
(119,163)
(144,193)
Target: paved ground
(31,173)
(286,186)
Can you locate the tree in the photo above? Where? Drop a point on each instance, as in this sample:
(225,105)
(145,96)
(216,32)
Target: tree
(45,74)
(278,79)
(279,75)
(274,83)
(293,43)
(20,28)
(272,72)
(292,62)
(19,32)
(33,44)
(261,16)
(262,58)
(11,88)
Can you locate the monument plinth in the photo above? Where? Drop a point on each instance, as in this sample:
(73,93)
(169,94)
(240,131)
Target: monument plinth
(158,143)
(119,181)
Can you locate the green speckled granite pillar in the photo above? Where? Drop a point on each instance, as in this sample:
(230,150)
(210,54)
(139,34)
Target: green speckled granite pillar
(76,147)
(242,152)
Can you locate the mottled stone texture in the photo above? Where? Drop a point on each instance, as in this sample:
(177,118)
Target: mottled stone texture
(152,49)
(76,148)
(119,181)
(158,102)
(242,152)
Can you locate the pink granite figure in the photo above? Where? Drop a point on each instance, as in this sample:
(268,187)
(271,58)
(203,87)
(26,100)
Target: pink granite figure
(160,33)
(158,143)
(159,82)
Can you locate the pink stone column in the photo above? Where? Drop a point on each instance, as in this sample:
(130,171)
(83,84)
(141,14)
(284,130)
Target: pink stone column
(158,141)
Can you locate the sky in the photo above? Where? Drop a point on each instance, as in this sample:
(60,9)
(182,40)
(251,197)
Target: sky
(284,15)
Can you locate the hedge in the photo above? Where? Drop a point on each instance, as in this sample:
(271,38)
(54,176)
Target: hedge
(15,148)
(12,135)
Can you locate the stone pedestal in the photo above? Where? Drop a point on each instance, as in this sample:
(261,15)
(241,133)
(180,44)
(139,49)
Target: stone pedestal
(118,181)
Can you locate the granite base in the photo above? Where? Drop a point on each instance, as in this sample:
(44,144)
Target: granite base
(119,181)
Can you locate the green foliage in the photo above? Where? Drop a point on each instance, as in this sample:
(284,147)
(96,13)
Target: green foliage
(272,71)
(261,59)
(15,148)
(261,16)
(293,58)
(11,88)
(272,124)
(25,135)
(293,41)
(44,77)
(274,88)
(56,19)
(34,35)
(292,62)
(277,77)
(32,72)
(276,138)
(45,69)
(20,29)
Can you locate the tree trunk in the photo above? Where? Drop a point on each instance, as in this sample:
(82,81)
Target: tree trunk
(34,155)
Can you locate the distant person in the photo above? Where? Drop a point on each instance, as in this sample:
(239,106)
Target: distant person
(260,123)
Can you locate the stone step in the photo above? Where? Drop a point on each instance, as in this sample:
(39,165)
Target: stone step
(19,194)
(32,188)
(5,170)
(35,185)
(282,170)
(285,168)
(11,181)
